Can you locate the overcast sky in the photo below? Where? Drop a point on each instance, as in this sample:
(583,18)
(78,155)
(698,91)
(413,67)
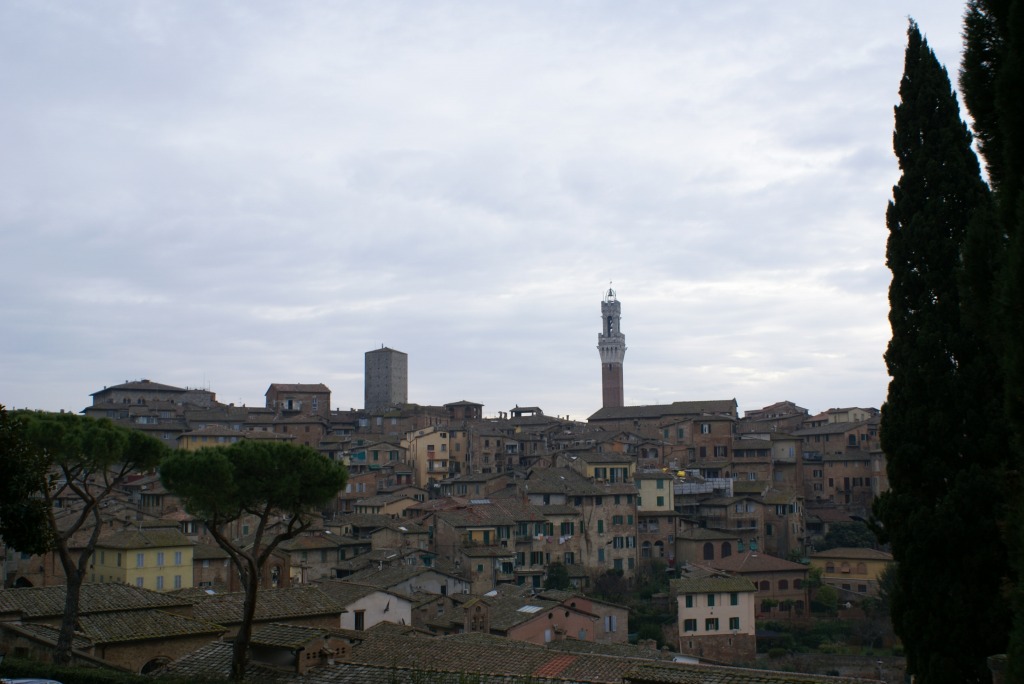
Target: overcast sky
(231,194)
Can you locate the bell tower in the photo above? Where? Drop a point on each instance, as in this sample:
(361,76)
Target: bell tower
(611,344)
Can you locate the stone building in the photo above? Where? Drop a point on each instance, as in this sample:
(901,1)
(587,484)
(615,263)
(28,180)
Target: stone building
(386,379)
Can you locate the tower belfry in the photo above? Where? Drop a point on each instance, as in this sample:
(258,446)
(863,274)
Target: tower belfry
(611,344)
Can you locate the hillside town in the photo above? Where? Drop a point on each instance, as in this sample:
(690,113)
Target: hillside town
(453,525)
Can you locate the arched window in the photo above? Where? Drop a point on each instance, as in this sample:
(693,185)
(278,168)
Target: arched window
(783,585)
(830,567)
(709,551)
(659,547)
(798,584)
(726,549)
(765,585)
(862,568)
(154,664)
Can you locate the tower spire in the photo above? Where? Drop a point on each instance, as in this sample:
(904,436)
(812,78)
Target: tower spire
(611,345)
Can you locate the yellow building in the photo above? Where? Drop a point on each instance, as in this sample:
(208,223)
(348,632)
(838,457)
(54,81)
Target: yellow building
(150,557)
(851,569)
(208,436)
(428,450)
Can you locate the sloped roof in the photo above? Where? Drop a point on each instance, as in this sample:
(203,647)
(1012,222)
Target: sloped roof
(830,429)
(95,598)
(606,457)
(853,554)
(345,592)
(208,552)
(753,562)
(678,408)
(298,387)
(562,481)
(287,636)
(307,542)
(388,654)
(271,604)
(213,430)
(152,538)
(712,584)
(147,385)
(139,625)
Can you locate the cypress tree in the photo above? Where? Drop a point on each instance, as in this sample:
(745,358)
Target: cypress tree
(992,79)
(945,497)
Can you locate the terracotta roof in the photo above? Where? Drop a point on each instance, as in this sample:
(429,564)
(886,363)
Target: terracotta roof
(854,553)
(476,514)
(387,577)
(137,625)
(214,662)
(756,562)
(384,499)
(562,481)
(621,650)
(271,604)
(306,542)
(390,654)
(95,598)
(346,593)
(298,387)
(830,429)
(45,633)
(208,552)
(712,584)
(286,636)
(147,385)
(679,408)
(153,538)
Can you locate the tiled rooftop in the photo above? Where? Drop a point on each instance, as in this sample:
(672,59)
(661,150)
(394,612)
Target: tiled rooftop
(854,553)
(756,562)
(396,655)
(137,625)
(286,636)
(163,537)
(271,604)
(49,601)
(679,408)
(712,584)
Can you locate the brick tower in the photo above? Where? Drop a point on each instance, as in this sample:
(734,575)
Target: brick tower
(611,344)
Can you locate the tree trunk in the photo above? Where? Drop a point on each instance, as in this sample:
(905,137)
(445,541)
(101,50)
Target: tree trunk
(240,651)
(62,656)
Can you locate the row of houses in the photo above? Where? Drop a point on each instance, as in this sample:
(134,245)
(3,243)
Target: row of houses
(833,457)
(312,635)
